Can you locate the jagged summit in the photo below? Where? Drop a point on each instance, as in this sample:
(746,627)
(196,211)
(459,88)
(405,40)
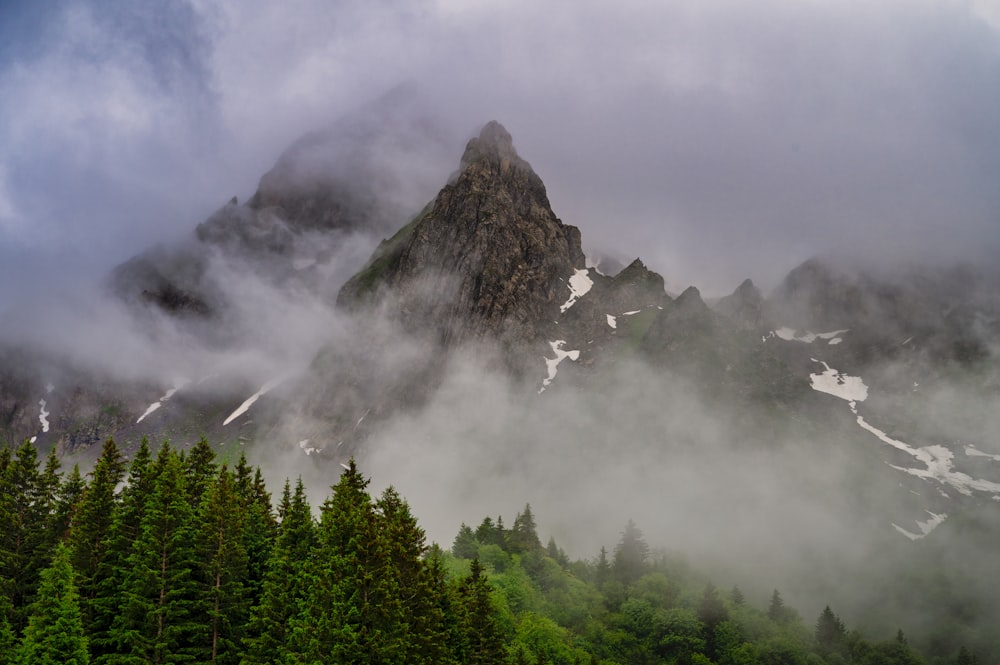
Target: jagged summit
(744,305)
(487,257)
(494,142)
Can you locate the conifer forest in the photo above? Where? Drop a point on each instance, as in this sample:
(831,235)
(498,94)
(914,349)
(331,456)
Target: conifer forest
(174,557)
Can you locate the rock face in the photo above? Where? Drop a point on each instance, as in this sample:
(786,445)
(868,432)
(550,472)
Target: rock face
(745,306)
(487,257)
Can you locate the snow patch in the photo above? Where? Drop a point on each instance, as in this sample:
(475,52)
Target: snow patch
(925,527)
(579,285)
(264,389)
(49,388)
(304,445)
(972,452)
(612,321)
(838,384)
(43,415)
(166,396)
(633,312)
(790,335)
(552,364)
(938,462)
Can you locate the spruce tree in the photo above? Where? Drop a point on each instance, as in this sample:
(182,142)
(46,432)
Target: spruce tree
(26,503)
(159,594)
(110,556)
(8,641)
(223,569)
(284,581)
(466,545)
(523,536)
(351,603)
(483,642)
(776,610)
(631,554)
(54,635)
(91,528)
(418,630)
(830,630)
(67,503)
(200,469)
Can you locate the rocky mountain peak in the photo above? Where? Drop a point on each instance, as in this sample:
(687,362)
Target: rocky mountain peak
(488,257)
(744,305)
(493,143)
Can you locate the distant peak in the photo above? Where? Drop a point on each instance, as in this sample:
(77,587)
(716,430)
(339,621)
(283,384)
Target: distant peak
(494,142)
(691,293)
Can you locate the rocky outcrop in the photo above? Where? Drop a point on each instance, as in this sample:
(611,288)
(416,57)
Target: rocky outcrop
(745,306)
(488,258)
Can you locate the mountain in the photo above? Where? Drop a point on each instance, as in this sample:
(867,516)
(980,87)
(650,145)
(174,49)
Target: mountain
(848,415)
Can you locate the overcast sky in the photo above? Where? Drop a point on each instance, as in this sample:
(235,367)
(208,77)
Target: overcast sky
(716,139)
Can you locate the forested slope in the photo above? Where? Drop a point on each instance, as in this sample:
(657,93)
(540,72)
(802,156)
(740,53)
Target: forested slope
(174,557)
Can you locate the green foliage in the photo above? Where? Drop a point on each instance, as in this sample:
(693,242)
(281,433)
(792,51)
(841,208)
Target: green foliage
(190,563)
(631,555)
(54,635)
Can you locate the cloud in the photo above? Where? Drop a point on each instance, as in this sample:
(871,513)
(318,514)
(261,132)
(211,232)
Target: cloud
(719,140)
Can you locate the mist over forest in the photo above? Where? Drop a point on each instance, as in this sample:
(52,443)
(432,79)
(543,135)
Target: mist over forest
(211,219)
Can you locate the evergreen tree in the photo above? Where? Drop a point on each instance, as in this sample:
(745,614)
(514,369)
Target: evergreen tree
(284,581)
(351,603)
(466,545)
(8,641)
(776,609)
(736,595)
(419,630)
(260,527)
(830,631)
(483,642)
(67,503)
(26,541)
(711,613)
(602,569)
(91,527)
(966,657)
(54,635)
(199,467)
(523,536)
(223,570)
(159,597)
(631,554)
(110,557)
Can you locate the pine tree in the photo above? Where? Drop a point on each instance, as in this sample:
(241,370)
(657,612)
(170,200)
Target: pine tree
(26,503)
(776,609)
(523,536)
(91,528)
(351,601)
(223,569)
(284,582)
(483,640)
(419,629)
(631,554)
(602,569)
(8,641)
(110,555)
(159,595)
(200,469)
(67,503)
(830,630)
(736,595)
(54,635)
(466,545)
